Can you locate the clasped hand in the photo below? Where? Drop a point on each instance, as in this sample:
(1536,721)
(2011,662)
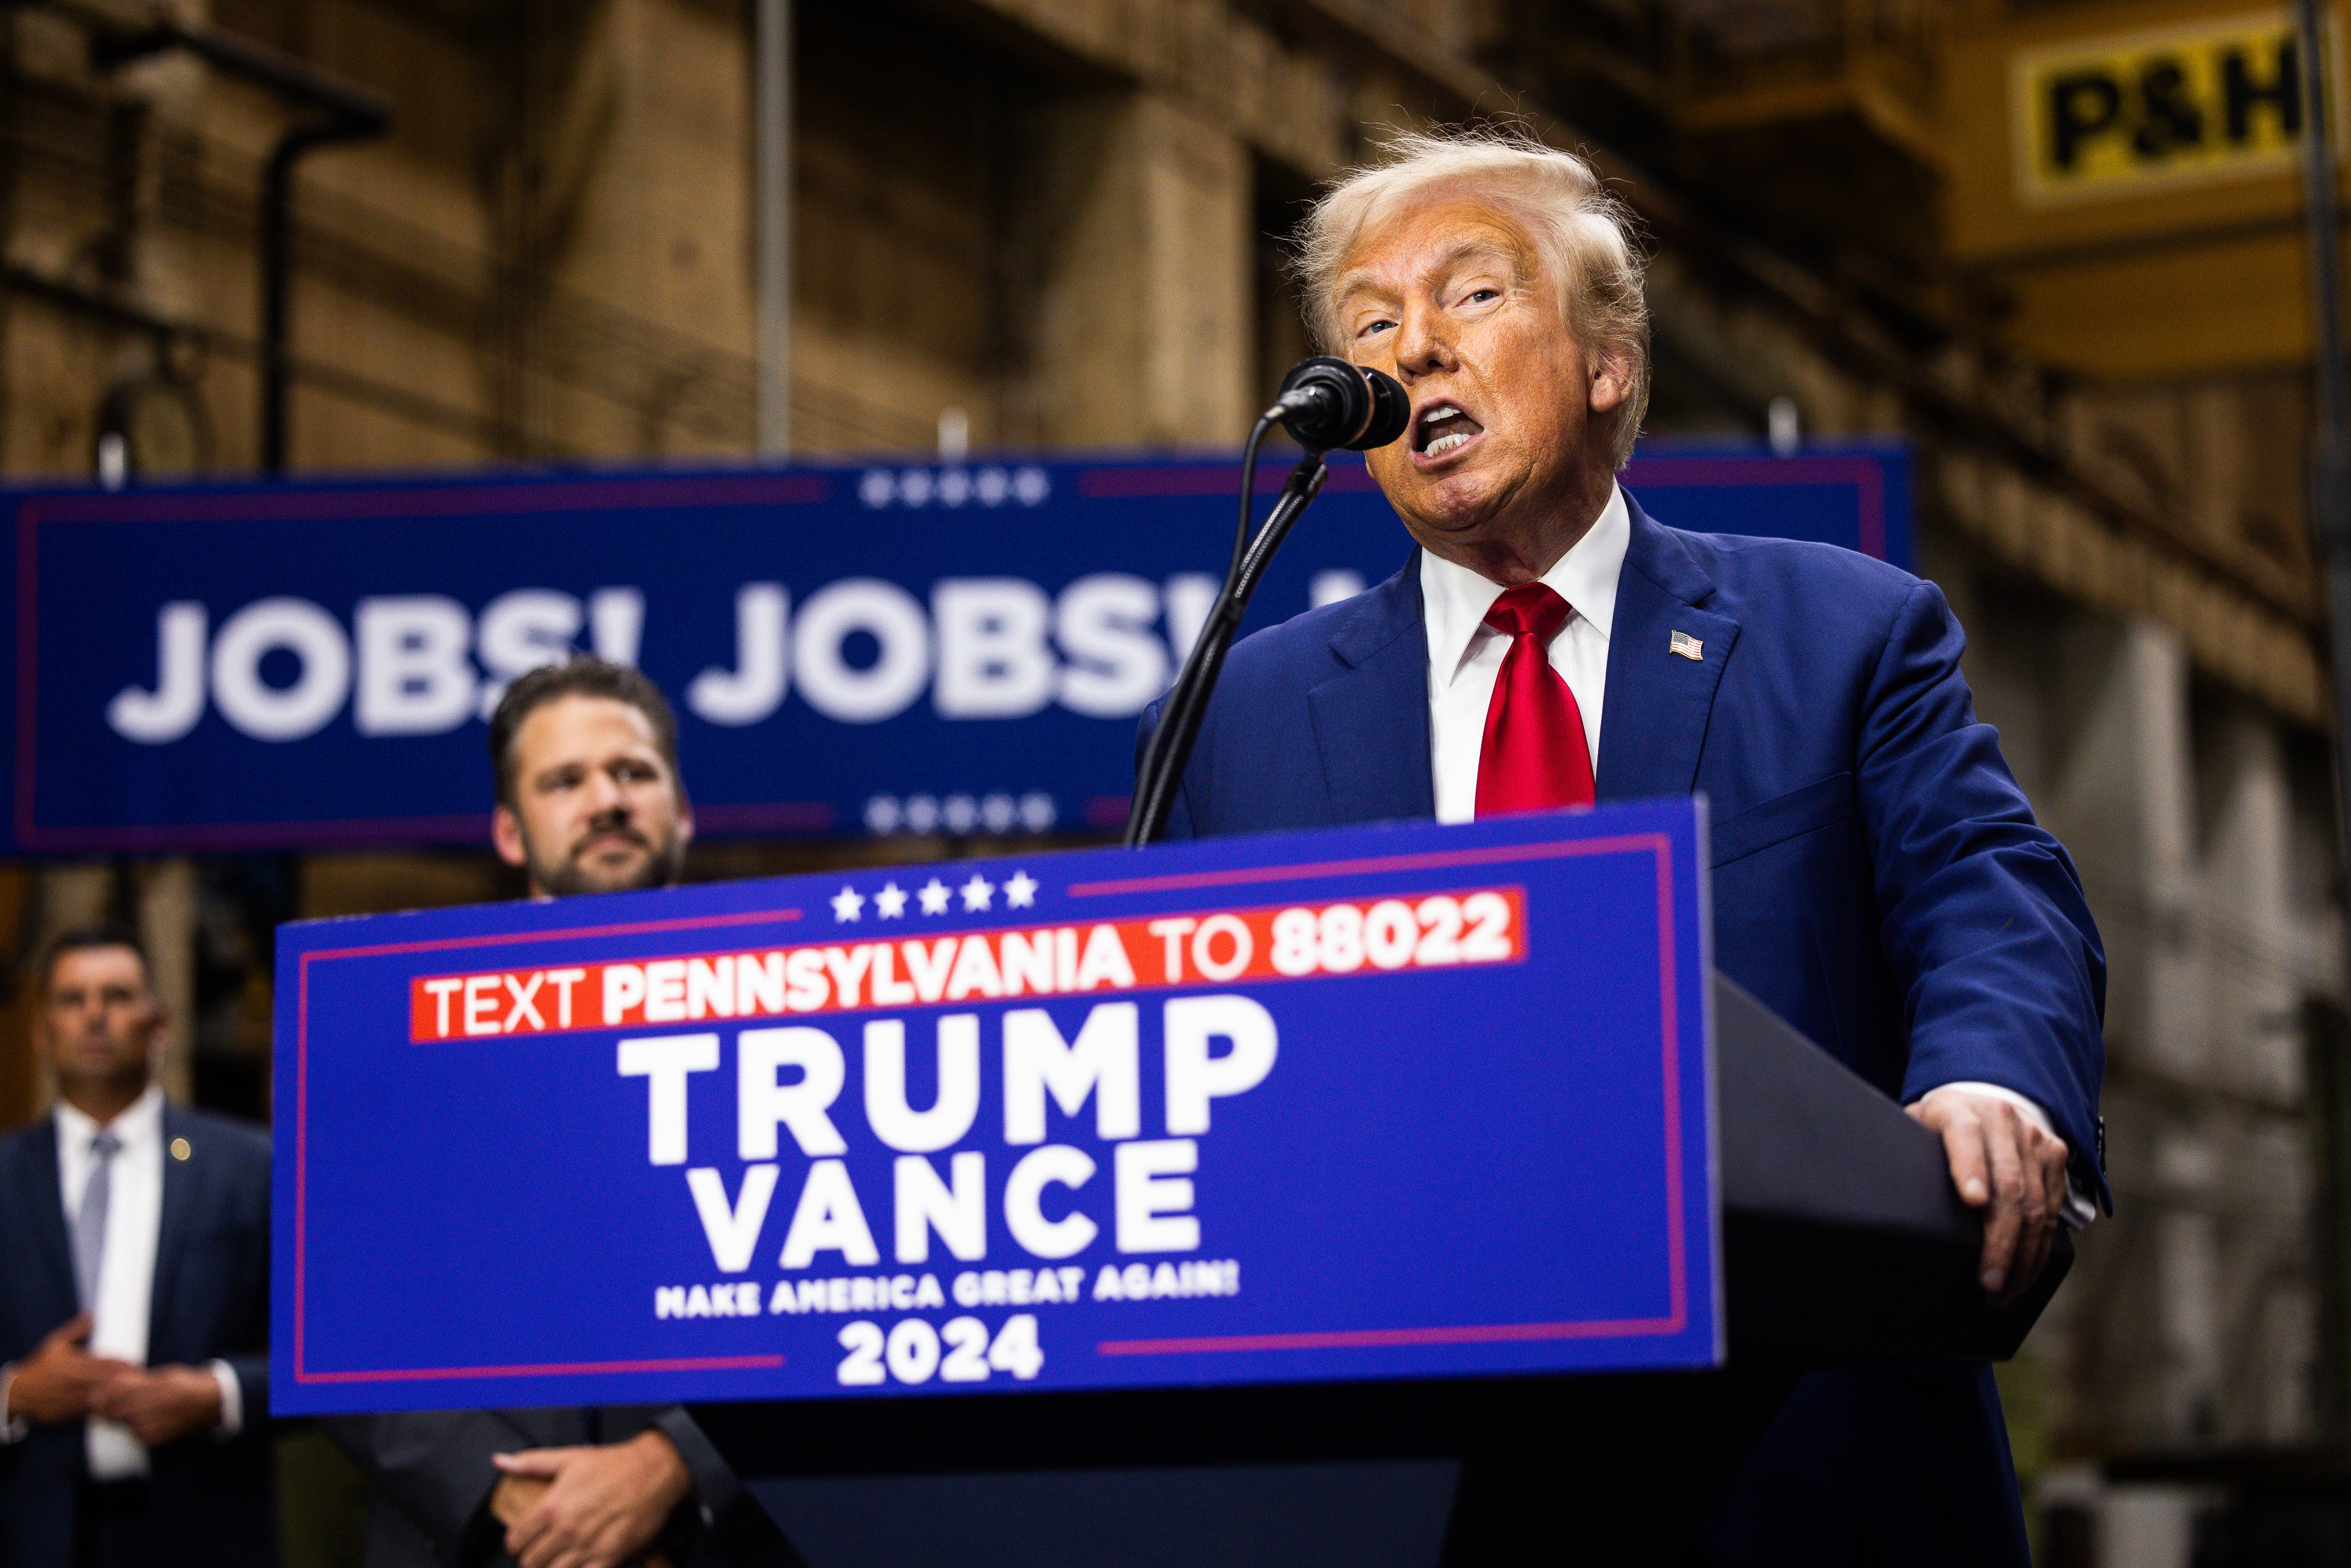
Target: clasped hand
(2003,1163)
(590,1507)
(62,1382)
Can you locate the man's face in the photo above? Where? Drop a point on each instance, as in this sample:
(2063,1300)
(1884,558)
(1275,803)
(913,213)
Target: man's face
(98,1018)
(597,808)
(1454,299)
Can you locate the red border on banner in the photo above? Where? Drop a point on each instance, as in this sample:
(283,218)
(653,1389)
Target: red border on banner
(421,1374)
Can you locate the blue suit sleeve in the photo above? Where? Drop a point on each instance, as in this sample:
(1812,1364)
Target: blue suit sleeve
(1985,923)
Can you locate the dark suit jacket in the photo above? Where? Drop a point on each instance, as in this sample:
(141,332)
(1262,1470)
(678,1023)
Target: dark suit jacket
(431,1475)
(213,1500)
(1878,881)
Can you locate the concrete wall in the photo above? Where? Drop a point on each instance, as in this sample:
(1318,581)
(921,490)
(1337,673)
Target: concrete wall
(2203,835)
(1052,218)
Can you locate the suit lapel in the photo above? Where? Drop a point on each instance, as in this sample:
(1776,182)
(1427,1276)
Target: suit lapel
(1653,720)
(44,1202)
(181,1180)
(1371,723)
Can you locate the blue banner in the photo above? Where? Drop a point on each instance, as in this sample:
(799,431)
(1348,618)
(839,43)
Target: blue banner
(904,649)
(1379,1102)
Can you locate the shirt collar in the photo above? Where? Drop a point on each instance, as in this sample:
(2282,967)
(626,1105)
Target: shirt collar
(1457,597)
(141,1121)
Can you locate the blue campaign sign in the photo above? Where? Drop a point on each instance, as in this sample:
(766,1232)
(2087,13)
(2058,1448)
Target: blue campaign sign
(1374,1102)
(903,649)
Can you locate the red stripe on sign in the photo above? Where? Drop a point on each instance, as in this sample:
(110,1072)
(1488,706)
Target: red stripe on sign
(548,1369)
(1375,1339)
(1292,942)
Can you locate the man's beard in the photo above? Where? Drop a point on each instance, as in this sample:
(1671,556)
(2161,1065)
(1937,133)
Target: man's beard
(575,874)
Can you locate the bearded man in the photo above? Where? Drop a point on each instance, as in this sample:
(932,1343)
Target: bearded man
(585,755)
(588,801)
(1879,878)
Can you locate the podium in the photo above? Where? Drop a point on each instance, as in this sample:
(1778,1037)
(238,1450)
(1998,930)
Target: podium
(1368,1196)
(1843,1241)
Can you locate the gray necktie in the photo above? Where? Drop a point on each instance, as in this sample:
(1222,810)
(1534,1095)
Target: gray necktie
(89,1224)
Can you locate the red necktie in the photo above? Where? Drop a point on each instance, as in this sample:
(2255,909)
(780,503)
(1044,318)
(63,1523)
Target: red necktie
(1534,757)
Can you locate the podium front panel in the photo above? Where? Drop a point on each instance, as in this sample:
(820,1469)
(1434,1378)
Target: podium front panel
(1372,1103)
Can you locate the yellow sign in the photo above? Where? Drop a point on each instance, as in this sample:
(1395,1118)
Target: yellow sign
(2112,116)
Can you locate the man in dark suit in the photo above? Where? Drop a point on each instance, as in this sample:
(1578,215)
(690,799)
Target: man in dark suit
(588,801)
(134,1298)
(1878,879)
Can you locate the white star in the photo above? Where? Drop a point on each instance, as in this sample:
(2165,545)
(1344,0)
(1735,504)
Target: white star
(891,902)
(935,897)
(1019,891)
(976,892)
(846,903)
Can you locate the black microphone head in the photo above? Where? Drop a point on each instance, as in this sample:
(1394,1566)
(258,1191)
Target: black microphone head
(1391,410)
(1326,401)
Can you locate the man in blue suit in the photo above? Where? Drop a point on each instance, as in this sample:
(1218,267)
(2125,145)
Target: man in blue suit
(134,1298)
(1878,879)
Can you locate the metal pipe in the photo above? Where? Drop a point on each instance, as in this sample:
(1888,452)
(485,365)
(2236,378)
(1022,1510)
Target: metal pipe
(2330,534)
(255,61)
(2320,212)
(772,214)
(352,113)
(2330,465)
(276,273)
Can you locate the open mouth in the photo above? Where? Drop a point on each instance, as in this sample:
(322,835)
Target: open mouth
(1442,429)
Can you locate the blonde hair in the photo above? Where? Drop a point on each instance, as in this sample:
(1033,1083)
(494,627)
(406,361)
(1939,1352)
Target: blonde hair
(1585,233)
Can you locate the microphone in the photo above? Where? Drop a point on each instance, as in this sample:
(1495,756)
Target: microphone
(1327,402)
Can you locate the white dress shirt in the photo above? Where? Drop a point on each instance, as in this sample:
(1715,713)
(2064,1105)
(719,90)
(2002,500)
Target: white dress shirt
(1465,654)
(125,1286)
(125,1289)
(1464,659)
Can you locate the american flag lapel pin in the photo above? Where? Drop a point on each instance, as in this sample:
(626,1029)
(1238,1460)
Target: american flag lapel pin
(1688,646)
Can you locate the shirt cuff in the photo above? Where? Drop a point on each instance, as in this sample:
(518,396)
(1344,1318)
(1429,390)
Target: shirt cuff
(2081,1206)
(232,1393)
(13,1428)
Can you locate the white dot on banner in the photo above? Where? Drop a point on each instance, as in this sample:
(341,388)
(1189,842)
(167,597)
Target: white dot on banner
(959,813)
(914,486)
(955,486)
(998,812)
(1331,587)
(1037,811)
(992,486)
(881,814)
(876,488)
(921,813)
(1031,486)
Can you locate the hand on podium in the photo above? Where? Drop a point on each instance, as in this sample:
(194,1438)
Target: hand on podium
(2006,1165)
(590,1507)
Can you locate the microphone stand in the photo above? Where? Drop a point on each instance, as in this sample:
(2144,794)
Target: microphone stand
(1170,747)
